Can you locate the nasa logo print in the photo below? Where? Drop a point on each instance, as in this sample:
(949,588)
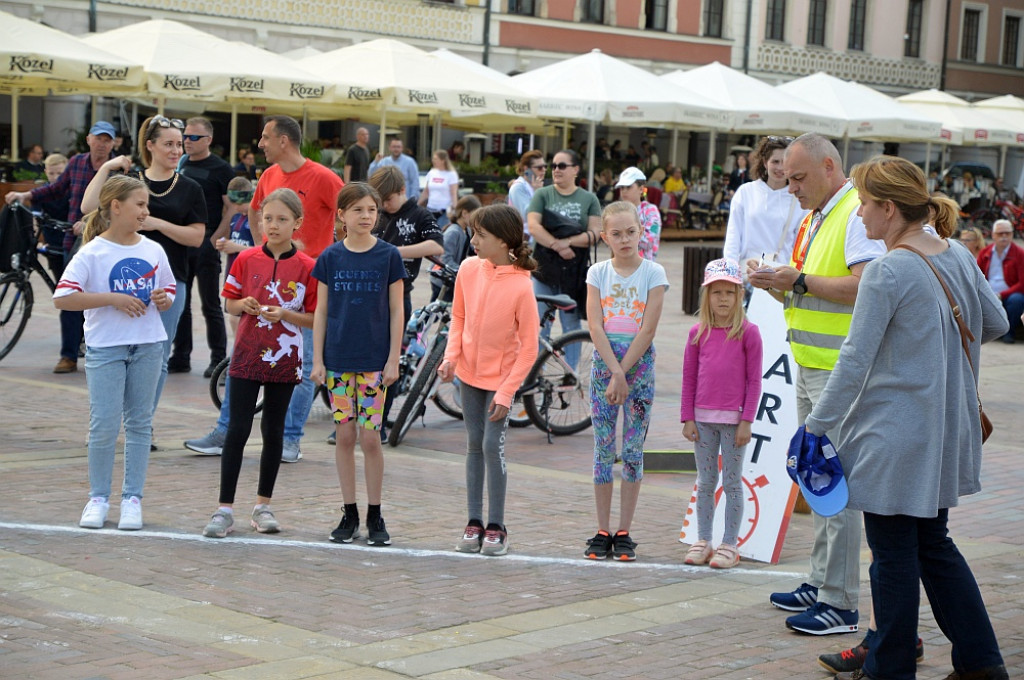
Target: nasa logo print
(134,277)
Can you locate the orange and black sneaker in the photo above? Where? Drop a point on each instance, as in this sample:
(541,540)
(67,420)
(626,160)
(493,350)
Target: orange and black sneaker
(599,547)
(623,547)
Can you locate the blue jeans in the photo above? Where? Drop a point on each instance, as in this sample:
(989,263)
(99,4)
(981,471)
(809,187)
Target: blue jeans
(121,380)
(169,317)
(301,401)
(908,550)
(1014,306)
(570,321)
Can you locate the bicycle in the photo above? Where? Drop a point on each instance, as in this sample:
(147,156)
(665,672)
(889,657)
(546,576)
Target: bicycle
(218,383)
(555,395)
(20,243)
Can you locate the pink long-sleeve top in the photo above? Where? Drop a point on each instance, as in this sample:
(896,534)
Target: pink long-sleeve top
(721,374)
(492,339)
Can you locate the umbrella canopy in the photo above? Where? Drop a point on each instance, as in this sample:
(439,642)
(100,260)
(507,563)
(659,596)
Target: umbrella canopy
(870,115)
(755,106)
(1008,108)
(35,58)
(598,88)
(390,75)
(976,125)
(182,62)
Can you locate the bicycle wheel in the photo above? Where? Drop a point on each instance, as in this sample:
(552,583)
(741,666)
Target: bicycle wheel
(559,398)
(416,398)
(15,309)
(448,399)
(218,382)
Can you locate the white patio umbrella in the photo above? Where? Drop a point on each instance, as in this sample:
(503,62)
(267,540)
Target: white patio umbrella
(595,87)
(754,106)
(1010,110)
(37,59)
(185,63)
(392,77)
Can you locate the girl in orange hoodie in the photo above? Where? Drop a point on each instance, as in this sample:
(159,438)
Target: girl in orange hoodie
(492,342)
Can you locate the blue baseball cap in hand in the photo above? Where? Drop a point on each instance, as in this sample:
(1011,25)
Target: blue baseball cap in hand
(813,463)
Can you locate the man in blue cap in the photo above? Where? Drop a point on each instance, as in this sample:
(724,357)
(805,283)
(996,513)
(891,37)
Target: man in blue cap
(71,185)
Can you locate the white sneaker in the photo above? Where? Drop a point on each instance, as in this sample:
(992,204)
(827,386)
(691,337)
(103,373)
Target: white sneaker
(131,514)
(95,513)
(290,453)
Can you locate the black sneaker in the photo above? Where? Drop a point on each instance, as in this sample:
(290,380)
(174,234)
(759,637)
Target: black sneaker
(599,547)
(179,366)
(377,533)
(348,529)
(208,373)
(852,659)
(623,547)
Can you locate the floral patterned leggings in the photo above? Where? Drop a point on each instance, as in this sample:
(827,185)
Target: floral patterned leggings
(636,416)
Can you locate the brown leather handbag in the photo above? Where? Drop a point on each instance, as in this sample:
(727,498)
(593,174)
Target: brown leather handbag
(965,337)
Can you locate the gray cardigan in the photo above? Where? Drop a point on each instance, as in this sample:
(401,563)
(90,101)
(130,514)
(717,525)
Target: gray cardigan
(902,394)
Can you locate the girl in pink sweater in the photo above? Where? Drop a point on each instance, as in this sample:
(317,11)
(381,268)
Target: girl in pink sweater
(492,342)
(721,388)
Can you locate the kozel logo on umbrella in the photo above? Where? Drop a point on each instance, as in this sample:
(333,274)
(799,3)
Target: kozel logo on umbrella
(421,97)
(105,73)
(242,84)
(303,91)
(513,106)
(27,64)
(472,101)
(181,84)
(362,93)
(632,111)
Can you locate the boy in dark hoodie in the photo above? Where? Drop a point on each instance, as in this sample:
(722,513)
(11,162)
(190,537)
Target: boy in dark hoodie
(406,225)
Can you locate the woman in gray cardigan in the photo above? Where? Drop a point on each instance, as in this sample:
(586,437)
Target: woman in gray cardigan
(905,400)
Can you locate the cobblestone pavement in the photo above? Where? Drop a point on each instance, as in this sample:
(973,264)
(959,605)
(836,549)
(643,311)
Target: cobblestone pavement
(165,603)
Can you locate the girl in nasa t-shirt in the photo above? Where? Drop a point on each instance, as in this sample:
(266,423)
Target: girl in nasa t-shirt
(122,281)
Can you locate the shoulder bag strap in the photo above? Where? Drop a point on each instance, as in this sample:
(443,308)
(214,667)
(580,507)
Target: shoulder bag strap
(965,333)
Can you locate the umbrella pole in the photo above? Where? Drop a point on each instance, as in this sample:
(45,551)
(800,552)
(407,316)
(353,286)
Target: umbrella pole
(233,149)
(927,158)
(565,134)
(93,108)
(383,128)
(675,146)
(305,122)
(14,124)
(711,159)
(590,156)
(846,151)
(1002,160)
(437,132)
(160,101)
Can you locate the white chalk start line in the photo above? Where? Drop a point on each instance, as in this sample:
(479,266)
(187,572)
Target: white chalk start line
(384,551)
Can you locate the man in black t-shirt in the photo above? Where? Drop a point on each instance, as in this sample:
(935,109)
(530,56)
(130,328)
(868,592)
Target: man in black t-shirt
(357,159)
(212,173)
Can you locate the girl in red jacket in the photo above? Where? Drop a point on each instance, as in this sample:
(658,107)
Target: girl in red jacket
(492,342)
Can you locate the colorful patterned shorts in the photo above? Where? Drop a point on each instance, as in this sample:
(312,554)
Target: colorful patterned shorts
(359,396)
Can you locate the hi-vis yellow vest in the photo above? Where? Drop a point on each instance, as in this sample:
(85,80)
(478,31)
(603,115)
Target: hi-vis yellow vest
(817,327)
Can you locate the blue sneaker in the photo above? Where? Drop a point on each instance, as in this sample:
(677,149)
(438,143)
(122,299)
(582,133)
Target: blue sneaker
(801,599)
(824,619)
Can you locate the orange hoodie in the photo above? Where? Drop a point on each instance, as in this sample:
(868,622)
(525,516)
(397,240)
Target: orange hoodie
(492,340)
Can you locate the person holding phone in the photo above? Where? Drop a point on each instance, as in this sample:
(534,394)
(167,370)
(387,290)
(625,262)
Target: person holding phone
(531,168)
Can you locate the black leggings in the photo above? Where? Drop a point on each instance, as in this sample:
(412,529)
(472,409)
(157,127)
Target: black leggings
(244,394)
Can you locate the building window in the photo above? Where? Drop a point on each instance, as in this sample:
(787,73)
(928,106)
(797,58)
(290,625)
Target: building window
(1011,41)
(912,46)
(657,14)
(775,21)
(593,11)
(713,10)
(858,11)
(521,7)
(969,43)
(816,23)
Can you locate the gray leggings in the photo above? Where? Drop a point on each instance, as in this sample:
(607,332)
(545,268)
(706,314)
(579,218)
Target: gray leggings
(711,437)
(485,450)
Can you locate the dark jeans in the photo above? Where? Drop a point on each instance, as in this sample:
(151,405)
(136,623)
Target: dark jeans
(243,401)
(908,550)
(1014,306)
(204,266)
(72,328)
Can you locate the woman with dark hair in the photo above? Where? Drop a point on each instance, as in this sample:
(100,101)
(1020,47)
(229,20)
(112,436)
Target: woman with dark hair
(923,310)
(531,169)
(177,209)
(565,222)
(763,216)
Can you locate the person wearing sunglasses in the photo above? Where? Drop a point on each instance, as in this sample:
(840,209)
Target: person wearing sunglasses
(213,174)
(532,168)
(564,221)
(177,210)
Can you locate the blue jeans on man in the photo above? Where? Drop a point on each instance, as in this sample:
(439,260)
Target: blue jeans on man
(1014,306)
